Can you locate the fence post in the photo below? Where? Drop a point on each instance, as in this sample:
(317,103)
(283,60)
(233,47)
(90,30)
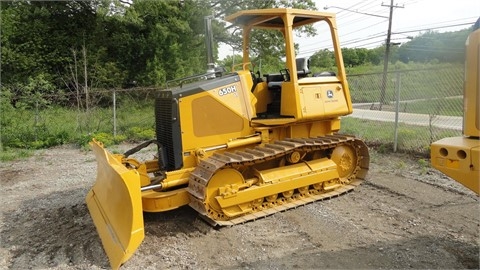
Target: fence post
(397,108)
(35,125)
(114,113)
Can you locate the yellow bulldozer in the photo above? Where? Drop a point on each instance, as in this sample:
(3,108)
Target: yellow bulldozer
(235,147)
(459,157)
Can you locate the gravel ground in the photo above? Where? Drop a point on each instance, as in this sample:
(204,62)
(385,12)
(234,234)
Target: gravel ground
(406,215)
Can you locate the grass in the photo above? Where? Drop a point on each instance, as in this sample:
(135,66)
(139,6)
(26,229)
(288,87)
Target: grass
(59,126)
(380,135)
(450,107)
(429,87)
(10,154)
(26,129)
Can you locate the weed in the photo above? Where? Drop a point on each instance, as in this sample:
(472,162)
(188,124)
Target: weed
(379,135)
(424,165)
(401,165)
(10,154)
(28,129)
(139,133)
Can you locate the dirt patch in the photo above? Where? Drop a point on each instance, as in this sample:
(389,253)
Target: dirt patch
(406,215)
(9,176)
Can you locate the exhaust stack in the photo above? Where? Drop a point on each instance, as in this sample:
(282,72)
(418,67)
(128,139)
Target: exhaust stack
(209,46)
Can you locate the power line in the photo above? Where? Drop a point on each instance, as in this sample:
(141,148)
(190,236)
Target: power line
(362,19)
(369,14)
(403,32)
(352,6)
(431,28)
(364,28)
(368,38)
(317,43)
(360,41)
(410,31)
(343,15)
(436,23)
(429,49)
(387,53)
(364,39)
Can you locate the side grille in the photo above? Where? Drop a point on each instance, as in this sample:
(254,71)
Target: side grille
(168,131)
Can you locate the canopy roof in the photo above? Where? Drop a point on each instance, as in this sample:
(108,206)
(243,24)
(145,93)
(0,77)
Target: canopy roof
(272,18)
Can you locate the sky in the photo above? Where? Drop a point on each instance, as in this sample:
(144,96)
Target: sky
(410,18)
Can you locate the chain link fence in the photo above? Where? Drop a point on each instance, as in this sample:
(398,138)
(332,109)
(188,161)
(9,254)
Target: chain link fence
(420,107)
(32,120)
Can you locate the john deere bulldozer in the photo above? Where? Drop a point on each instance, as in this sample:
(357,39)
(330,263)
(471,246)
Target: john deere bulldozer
(235,147)
(459,157)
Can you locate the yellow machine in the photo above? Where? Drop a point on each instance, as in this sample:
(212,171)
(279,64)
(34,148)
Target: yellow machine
(237,147)
(459,157)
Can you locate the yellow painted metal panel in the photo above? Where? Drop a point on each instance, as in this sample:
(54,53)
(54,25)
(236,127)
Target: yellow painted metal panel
(212,118)
(471,120)
(312,101)
(164,201)
(458,157)
(323,101)
(115,206)
(288,178)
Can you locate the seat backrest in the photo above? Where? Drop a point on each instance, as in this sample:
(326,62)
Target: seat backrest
(303,66)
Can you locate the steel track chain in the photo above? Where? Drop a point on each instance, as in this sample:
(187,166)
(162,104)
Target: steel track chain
(200,177)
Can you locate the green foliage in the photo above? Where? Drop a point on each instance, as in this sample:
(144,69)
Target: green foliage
(104,44)
(107,138)
(351,58)
(417,81)
(10,154)
(432,46)
(376,55)
(424,165)
(139,133)
(379,135)
(30,129)
(147,43)
(35,93)
(374,132)
(30,51)
(268,64)
(454,106)
(173,43)
(406,136)
(322,59)
(231,61)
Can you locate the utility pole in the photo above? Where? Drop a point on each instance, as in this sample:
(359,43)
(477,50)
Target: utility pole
(387,53)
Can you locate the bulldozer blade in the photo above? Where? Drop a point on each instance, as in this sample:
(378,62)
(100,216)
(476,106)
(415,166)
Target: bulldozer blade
(115,205)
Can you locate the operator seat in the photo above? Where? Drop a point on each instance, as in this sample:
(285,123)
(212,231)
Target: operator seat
(274,81)
(303,67)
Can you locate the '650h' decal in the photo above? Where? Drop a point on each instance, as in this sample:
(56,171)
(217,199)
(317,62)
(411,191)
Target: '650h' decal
(227,90)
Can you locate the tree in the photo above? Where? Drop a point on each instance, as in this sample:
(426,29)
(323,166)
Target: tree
(265,45)
(143,42)
(322,59)
(375,56)
(350,57)
(37,36)
(430,46)
(230,61)
(171,40)
(147,42)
